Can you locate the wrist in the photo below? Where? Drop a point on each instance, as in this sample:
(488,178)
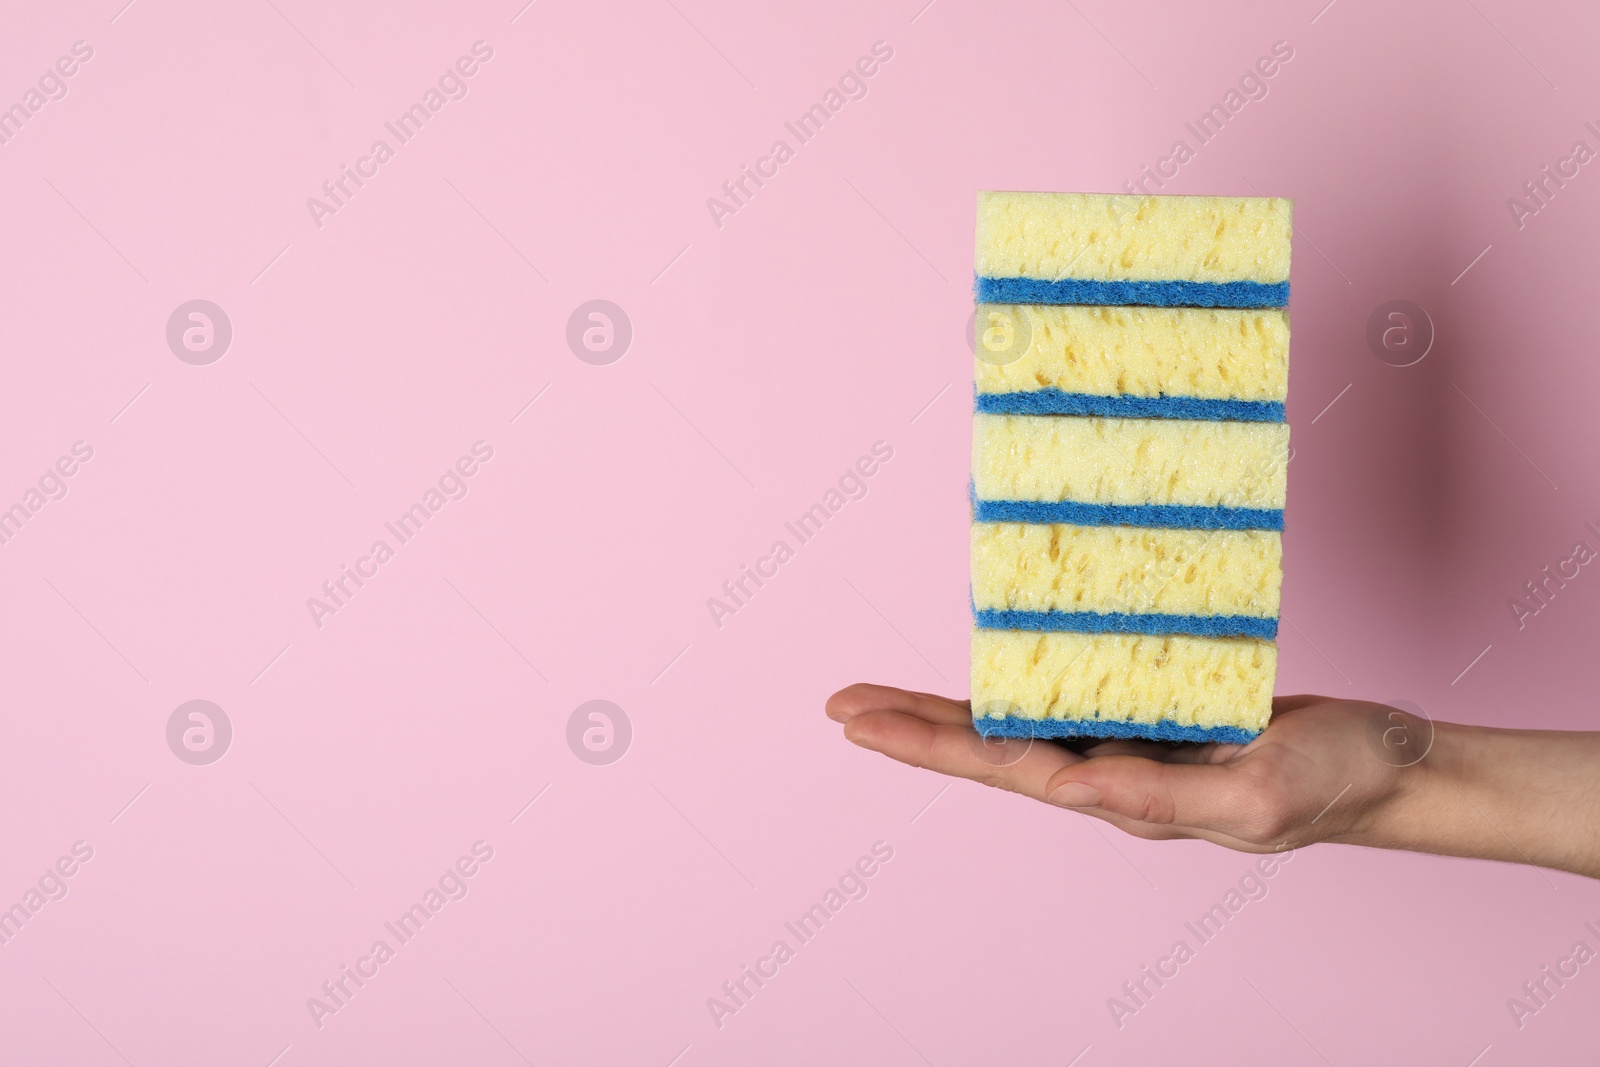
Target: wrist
(1395,786)
(1420,798)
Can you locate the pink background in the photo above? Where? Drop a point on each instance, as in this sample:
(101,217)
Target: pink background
(767,355)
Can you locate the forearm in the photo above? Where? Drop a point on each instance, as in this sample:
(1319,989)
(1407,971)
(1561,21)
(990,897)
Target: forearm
(1523,796)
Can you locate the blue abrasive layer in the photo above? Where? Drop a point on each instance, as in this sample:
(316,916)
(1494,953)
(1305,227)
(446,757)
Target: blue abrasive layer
(1153,294)
(1055,402)
(1162,730)
(1103,622)
(1181,516)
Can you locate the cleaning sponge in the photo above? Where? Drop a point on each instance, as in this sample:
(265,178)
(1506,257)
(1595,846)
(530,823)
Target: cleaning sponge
(1028,576)
(1186,363)
(1119,685)
(1135,472)
(1084,248)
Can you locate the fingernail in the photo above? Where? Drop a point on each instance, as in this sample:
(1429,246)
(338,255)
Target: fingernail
(1075,795)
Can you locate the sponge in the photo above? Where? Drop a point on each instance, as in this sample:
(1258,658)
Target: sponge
(1172,687)
(1086,248)
(1136,472)
(1126,579)
(1184,363)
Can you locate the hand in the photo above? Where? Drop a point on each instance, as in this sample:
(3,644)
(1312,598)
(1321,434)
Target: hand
(1323,770)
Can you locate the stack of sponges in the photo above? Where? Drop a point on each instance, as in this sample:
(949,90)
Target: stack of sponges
(1128,464)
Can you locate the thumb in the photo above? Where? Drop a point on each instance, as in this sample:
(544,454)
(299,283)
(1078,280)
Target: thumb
(1217,796)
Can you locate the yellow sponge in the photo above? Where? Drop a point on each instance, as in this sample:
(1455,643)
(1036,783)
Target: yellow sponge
(1055,567)
(1194,463)
(1206,353)
(1053,236)
(1069,684)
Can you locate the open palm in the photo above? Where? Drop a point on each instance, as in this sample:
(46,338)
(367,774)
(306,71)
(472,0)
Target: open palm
(1320,771)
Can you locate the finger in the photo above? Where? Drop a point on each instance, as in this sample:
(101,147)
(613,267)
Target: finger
(1295,702)
(1015,764)
(1032,768)
(1150,831)
(863,697)
(1154,832)
(1161,751)
(1220,797)
(1021,765)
